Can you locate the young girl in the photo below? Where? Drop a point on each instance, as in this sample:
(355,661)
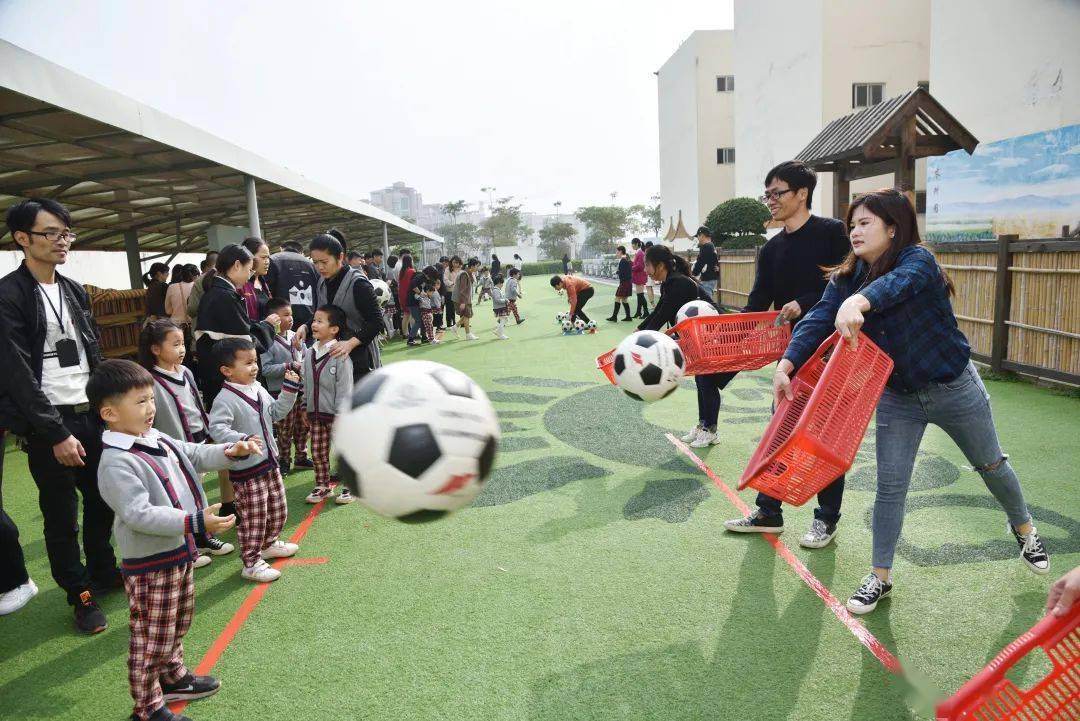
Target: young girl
(179,408)
(483,281)
(513,294)
(622,293)
(437,306)
(327,386)
(891,287)
(498,304)
(427,311)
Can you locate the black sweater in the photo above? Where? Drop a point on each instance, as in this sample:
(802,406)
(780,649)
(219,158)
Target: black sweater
(789,266)
(675,292)
(625,270)
(707,265)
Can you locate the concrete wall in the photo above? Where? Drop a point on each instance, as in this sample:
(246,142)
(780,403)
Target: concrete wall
(715,121)
(676,85)
(104,269)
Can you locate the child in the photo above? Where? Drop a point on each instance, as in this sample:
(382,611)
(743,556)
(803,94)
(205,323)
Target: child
(420,301)
(280,357)
(485,284)
(242,410)
(622,293)
(498,304)
(180,413)
(427,311)
(328,380)
(437,307)
(513,293)
(151,482)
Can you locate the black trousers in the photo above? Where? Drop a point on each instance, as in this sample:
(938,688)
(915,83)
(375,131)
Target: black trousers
(582,299)
(448,304)
(59,505)
(12,565)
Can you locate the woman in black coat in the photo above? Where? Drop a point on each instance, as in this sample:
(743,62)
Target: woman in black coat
(677,289)
(156,282)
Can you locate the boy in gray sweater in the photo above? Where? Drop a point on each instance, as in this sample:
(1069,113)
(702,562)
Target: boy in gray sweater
(242,410)
(328,379)
(513,293)
(280,357)
(498,304)
(151,482)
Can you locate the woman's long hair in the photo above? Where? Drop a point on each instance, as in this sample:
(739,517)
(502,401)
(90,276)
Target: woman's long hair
(661,255)
(406,262)
(154,270)
(896,211)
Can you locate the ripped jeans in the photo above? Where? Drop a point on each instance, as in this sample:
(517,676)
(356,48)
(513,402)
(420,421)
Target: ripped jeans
(961,408)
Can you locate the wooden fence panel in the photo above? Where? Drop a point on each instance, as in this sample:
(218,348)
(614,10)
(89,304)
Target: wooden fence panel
(1044,320)
(974,275)
(737,269)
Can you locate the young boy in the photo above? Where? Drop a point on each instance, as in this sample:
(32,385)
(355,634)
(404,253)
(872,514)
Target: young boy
(328,379)
(427,311)
(242,410)
(484,281)
(151,482)
(437,309)
(280,357)
(498,304)
(513,294)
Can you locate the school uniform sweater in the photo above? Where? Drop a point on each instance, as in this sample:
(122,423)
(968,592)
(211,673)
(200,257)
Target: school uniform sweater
(151,483)
(180,412)
(276,360)
(240,412)
(328,381)
(498,300)
(513,289)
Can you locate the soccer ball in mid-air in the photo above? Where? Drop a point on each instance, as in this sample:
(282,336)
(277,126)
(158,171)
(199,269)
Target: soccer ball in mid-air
(579,325)
(382,291)
(648,365)
(567,326)
(417,440)
(695,309)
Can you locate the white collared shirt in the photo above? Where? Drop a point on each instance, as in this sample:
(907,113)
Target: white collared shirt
(251,391)
(170,463)
(320,349)
(178,375)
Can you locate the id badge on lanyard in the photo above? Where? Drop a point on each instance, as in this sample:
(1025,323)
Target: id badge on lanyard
(66,349)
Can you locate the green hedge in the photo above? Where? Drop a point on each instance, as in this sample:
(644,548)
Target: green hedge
(547,267)
(743,241)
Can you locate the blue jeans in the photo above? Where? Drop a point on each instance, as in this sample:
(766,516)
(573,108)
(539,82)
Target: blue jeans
(961,408)
(710,287)
(417,322)
(708,397)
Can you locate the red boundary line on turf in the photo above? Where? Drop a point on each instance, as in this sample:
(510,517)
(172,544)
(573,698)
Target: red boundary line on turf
(861,632)
(213,654)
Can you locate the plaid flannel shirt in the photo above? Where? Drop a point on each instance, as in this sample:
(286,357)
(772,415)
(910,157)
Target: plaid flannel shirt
(910,318)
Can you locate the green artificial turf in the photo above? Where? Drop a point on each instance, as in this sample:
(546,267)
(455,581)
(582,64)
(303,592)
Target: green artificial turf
(592,578)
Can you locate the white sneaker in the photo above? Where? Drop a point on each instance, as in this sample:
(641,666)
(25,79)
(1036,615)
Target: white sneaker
(692,435)
(280,549)
(818,535)
(11,601)
(260,572)
(202,560)
(502,336)
(471,336)
(705,439)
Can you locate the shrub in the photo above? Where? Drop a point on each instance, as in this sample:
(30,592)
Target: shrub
(548,267)
(744,241)
(738,216)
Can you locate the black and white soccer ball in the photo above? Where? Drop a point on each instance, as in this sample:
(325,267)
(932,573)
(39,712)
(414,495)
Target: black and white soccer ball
(382,291)
(567,326)
(591,325)
(648,365)
(579,325)
(695,309)
(418,440)
(560,317)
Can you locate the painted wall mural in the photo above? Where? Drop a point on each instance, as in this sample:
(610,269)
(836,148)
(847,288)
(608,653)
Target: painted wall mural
(1028,185)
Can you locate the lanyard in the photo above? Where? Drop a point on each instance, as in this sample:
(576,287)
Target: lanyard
(59,314)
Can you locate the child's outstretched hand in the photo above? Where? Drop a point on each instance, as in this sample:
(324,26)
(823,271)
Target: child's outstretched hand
(214,523)
(242,449)
(290,375)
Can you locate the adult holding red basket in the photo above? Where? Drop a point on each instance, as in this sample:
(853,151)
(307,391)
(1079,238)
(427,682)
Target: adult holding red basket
(892,289)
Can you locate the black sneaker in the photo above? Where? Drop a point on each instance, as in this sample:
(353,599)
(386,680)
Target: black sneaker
(214,546)
(872,590)
(756,522)
(163,714)
(285,467)
(89,618)
(190,688)
(1032,551)
(304,462)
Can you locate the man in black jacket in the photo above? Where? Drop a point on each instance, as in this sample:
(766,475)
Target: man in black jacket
(707,265)
(54,347)
(292,277)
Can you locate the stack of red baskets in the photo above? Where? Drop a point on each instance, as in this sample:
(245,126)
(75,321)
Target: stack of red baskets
(813,438)
(722,343)
(990,696)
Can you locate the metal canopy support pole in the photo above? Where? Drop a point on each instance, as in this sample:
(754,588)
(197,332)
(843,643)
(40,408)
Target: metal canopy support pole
(134,262)
(252,207)
(385,242)
(423,251)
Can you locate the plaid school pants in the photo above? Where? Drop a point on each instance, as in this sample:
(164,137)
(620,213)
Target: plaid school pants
(512,305)
(263,510)
(321,429)
(293,429)
(428,318)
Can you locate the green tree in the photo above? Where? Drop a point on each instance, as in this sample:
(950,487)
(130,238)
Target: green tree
(653,220)
(505,226)
(738,217)
(555,239)
(453,209)
(461,238)
(606,223)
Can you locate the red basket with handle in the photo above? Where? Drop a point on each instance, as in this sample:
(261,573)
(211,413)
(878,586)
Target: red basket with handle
(719,343)
(732,342)
(813,438)
(990,696)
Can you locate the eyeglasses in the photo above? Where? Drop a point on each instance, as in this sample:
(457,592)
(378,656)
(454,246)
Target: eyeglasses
(54,235)
(774,194)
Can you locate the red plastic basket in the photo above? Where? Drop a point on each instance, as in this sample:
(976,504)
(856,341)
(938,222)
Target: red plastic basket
(813,438)
(719,343)
(989,696)
(731,342)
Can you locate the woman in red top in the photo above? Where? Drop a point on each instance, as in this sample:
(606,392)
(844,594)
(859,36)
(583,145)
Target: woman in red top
(404,283)
(578,292)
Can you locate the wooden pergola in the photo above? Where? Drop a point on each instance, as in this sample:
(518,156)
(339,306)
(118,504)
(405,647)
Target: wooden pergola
(886,138)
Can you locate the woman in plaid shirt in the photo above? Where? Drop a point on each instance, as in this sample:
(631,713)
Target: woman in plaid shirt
(892,289)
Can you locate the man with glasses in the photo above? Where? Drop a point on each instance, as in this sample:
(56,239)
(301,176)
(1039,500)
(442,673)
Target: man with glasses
(53,349)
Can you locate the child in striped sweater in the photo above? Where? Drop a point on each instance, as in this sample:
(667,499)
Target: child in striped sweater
(328,386)
(180,412)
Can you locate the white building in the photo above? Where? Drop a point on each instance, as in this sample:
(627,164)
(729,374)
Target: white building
(399,199)
(695,89)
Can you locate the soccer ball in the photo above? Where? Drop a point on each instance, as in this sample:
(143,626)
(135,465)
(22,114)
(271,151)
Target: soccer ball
(591,325)
(417,441)
(382,291)
(560,317)
(579,325)
(648,365)
(695,309)
(567,326)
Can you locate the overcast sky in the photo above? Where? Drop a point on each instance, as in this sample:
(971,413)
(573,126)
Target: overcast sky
(546,100)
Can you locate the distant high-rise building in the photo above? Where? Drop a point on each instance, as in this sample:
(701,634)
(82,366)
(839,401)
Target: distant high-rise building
(399,199)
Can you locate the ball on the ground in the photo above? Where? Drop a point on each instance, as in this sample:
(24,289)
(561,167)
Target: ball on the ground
(648,365)
(418,440)
(382,291)
(695,309)
(590,325)
(567,326)
(579,324)
(560,317)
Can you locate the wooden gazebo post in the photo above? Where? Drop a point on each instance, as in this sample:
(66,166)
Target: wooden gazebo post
(841,190)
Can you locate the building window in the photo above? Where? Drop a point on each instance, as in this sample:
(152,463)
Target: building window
(725,83)
(725,156)
(865,95)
